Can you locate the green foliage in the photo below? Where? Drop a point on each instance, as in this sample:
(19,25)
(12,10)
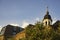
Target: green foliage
(39,32)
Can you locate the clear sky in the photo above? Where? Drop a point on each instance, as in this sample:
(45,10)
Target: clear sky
(22,11)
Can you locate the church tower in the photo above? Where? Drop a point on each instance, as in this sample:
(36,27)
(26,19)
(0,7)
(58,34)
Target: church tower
(47,19)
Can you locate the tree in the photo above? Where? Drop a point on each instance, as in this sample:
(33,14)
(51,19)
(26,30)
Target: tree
(40,32)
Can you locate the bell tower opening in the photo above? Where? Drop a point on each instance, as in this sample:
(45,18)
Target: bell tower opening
(46,23)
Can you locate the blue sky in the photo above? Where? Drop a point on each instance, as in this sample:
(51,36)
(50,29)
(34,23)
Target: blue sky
(20,11)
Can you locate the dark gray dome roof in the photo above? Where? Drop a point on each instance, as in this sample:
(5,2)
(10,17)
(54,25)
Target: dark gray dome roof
(47,16)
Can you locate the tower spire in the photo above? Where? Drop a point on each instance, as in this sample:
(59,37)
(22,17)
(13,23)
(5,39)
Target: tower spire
(47,8)
(47,18)
(47,12)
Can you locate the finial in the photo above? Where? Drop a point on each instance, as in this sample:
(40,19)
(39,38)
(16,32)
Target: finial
(47,8)
(47,12)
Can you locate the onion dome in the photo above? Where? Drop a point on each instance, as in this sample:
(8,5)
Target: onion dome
(47,16)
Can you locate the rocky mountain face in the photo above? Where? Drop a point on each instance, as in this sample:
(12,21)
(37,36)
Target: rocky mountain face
(11,30)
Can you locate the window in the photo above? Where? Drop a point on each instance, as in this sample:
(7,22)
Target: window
(46,23)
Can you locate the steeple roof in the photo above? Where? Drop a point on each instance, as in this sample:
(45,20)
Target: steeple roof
(47,16)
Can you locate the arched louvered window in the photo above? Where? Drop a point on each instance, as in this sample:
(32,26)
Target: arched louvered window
(46,23)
